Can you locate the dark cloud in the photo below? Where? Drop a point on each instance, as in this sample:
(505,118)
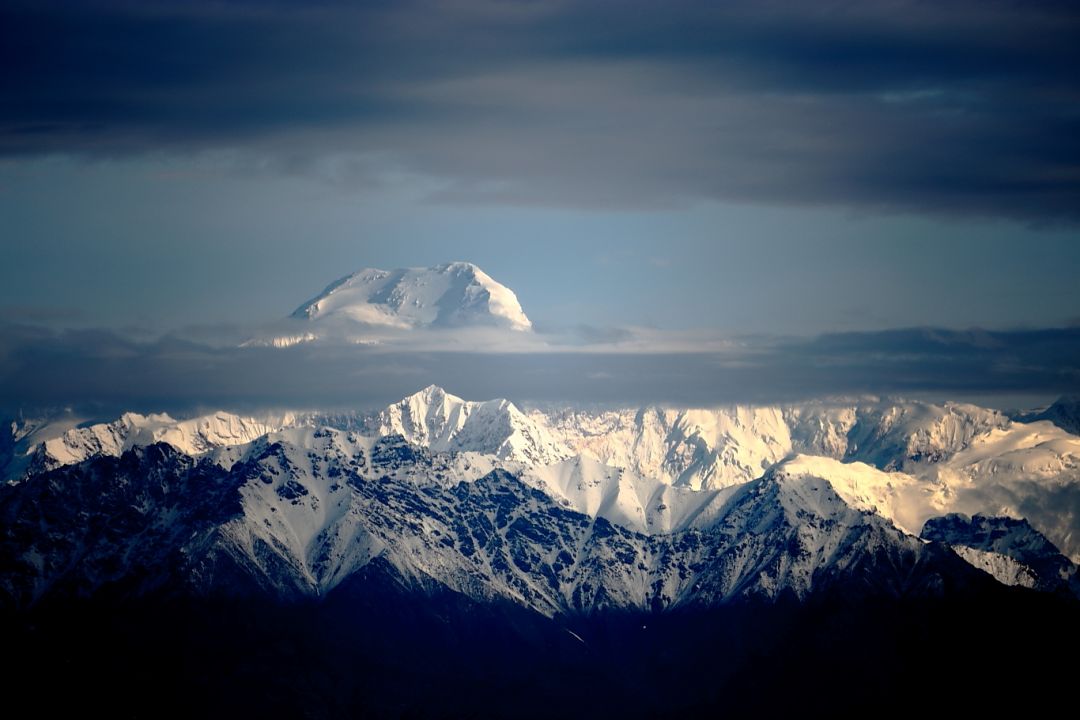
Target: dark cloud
(91,368)
(948,107)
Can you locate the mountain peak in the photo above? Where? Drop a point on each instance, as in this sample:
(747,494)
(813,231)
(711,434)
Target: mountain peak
(454,294)
(440,421)
(1065,413)
(901,498)
(459,266)
(431,393)
(990,543)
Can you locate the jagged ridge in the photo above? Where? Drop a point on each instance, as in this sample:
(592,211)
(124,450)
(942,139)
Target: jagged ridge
(295,520)
(1008,548)
(954,458)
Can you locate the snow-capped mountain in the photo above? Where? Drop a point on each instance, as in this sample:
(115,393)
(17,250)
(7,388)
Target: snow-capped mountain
(307,508)
(645,505)
(1027,471)
(648,468)
(69,441)
(719,447)
(1064,412)
(432,418)
(1008,548)
(546,532)
(364,306)
(931,459)
(439,421)
(697,449)
(903,499)
(377,545)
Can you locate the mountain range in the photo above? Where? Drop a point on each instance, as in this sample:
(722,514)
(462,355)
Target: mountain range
(911,460)
(586,556)
(629,561)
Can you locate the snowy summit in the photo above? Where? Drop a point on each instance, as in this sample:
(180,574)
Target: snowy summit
(457,294)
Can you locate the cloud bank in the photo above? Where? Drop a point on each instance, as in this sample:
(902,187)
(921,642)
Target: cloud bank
(954,108)
(95,368)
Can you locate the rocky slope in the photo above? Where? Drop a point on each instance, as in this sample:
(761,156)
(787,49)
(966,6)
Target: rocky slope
(1008,548)
(305,509)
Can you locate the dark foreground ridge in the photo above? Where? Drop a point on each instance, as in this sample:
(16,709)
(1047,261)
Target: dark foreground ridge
(155,584)
(371,650)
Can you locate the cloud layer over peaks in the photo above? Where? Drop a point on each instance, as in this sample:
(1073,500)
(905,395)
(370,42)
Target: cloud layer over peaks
(96,368)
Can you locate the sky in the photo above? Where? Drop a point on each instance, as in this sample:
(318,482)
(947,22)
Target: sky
(808,180)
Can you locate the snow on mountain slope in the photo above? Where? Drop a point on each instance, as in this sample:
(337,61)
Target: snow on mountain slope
(1002,568)
(720,447)
(193,436)
(1023,471)
(306,508)
(431,417)
(295,503)
(19,437)
(694,448)
(956,458)
(644,505)
(498,537)
(437,420)
(1064,412)
(454,294)
(794,534)
(890,435)
(688,448)
(302,505)
(1010,549)
(903,499)
(40,428)
(1027,471)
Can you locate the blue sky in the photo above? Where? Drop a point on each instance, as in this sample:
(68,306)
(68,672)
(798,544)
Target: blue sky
(167,243)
